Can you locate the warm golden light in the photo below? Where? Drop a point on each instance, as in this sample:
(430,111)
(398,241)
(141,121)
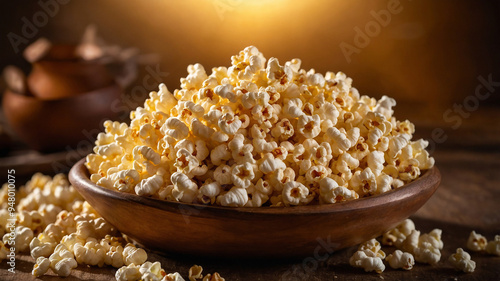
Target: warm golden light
(397,54)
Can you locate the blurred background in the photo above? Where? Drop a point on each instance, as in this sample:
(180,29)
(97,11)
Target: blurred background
(431,56)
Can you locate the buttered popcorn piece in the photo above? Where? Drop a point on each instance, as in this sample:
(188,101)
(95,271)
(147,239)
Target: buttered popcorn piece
(295,193)
(399,259)
(493,246)
(372,248)
(235,197)
(91,253)
(461,260)
(134,255)
(151,271)
(147,271)
(32,220)
(69,241)
(423,248)
(213,277)
(173,277)
(252,121)
(331,192)
(397,235)
(22,239)
(130,272)
(195,273)
(41,266)
(476,242)
(433,238)
(368,263)
(149,186)
(66,220)
(62,261)
(42,246)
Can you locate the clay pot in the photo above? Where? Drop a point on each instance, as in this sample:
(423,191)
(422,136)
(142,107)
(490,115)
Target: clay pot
(52,125)
(61,74)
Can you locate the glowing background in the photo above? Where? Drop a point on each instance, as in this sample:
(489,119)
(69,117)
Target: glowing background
(428,57)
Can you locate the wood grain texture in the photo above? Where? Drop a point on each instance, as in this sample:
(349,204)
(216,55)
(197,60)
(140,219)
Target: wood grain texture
(264,232)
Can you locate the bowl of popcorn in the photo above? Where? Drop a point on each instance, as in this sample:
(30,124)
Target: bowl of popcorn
(259,159)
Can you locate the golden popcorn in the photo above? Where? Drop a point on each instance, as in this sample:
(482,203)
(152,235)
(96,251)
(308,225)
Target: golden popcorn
(219,136)
(461,260)
(399,259)
(61,231)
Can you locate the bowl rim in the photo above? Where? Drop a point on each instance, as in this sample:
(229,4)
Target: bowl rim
(79,176)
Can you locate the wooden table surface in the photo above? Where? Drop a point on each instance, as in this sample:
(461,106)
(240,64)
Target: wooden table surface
(468,199)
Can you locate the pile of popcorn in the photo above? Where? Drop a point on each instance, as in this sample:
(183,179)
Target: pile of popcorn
(60,230)
(259,134)
(425,248)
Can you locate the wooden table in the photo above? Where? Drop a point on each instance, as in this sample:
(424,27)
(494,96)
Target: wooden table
(468,199)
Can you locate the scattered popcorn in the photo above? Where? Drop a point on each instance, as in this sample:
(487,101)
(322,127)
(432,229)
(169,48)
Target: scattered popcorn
(399,259)
(493,247)
(62,261)
(41,266)
(42,246)
(69,241)
(114,256)
(49,212)
(32,220)
(476,242)
(151,271)
(213,277)
(427,254)
(397,235)
(53,232)
(66,220)
(433,238)
(372,248)
(91,253)
(63,231)
(133,255)
(461,261)
(252,121)
(130,272)
(423,250)
(22,240)
(195,273)
(172,277)
(368,263)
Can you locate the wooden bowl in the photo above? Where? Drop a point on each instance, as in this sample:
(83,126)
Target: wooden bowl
(62,74)
(264,232)
(52,125)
